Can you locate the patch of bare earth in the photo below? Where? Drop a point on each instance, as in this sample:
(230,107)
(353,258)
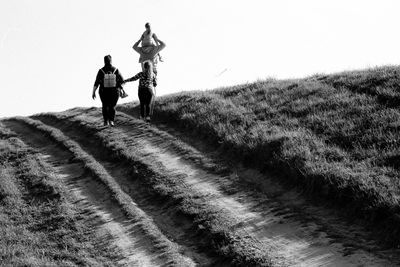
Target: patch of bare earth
(303,242)
(95,199)
(299,232)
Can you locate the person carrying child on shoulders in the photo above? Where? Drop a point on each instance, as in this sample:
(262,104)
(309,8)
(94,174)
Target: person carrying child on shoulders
(149,39)
(150,48)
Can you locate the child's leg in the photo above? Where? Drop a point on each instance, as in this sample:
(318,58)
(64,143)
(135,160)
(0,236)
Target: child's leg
(155,69)
(142,107)
(151,104)
(142,102)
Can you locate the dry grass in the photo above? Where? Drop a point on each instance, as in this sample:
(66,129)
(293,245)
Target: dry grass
(38,224)
(335,137)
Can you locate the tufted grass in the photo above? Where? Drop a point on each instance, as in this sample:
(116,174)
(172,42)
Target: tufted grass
(335,137)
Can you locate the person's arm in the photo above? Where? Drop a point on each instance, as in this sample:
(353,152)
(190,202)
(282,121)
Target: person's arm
(161,46)
(94,92)
(156,39)
(141,38)
(134,78)
(120,79)
(136,46)
(96,84)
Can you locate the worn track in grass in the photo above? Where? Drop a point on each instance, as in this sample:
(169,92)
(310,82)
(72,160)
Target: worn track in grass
(293,231)
(93,196)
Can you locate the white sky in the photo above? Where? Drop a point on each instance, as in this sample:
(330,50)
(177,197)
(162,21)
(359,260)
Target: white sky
(51,50)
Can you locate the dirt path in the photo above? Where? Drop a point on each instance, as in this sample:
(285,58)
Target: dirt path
(113,225)
(95,199)
(303,243)
(163,214)
(283,222)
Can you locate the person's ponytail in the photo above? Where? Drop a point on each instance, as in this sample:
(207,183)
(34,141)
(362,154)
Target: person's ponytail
(148,67)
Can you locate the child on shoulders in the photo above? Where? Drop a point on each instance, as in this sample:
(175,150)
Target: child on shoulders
(149,39)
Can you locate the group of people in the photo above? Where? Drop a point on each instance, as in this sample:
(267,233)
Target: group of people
(111,82)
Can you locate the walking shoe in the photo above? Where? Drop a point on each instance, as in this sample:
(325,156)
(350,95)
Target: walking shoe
(148,119)
(111,123)
(105,123)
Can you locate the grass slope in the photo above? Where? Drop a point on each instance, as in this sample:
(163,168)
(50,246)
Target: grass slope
(334,136)
(39,226)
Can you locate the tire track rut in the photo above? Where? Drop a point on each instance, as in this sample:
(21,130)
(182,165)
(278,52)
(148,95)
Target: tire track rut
(92,196)
(206,245)
(269,224)
(302,244)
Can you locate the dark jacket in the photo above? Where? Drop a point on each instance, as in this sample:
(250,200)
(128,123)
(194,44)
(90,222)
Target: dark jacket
(100,77)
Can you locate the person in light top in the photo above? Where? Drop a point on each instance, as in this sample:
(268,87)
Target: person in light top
(149,38)
(149,50)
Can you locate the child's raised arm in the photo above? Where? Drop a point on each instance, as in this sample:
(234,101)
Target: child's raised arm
(136,46)
(156,39)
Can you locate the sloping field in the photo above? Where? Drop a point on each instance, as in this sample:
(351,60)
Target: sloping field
(163,202)
(275,173)
(336,138)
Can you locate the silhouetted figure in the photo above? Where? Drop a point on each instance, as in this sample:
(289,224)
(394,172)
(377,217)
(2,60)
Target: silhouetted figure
(110,81)
(147,83)
(149,38)
(149,53)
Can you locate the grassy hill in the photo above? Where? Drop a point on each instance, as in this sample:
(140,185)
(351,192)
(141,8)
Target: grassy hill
(271,173)
(335,137)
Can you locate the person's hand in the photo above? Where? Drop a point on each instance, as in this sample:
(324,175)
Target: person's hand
(94,95)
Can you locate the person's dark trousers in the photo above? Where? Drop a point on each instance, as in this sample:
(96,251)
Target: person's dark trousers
(145,98)
(109,98)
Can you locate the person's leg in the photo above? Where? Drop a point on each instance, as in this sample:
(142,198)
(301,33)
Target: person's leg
(147,101)
(113,100)
(107,103)
(152,100)
(142,110)
(141,100)
(155,68)
(103,99)
(147,106)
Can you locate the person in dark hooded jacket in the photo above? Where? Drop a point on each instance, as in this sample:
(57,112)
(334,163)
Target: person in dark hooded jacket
(110,81)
